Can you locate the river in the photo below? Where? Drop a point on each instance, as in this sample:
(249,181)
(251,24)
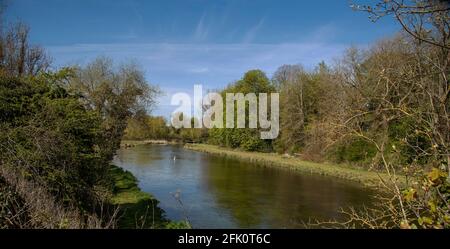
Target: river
(218,192)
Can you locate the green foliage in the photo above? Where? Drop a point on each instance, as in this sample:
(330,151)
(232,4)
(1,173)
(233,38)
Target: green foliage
(254,81)
(115,93)
(178,225)
(408,142)
(144,126)
(52,139)
(354,151)
(428,199)
(309,102)
(149,127)
(55,137)
(137,209)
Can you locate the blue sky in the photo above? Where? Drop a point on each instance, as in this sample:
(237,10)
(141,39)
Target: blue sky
(180,43)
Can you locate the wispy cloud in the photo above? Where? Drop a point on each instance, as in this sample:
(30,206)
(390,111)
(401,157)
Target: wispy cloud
(177,67)
(249,36)
(324,33)
(201,30)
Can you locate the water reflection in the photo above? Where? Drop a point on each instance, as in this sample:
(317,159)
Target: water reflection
(224,193)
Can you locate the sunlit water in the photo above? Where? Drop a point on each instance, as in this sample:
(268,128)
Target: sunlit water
(219,192)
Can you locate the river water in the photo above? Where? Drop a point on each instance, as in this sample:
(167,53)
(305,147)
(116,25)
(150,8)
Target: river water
(218,192)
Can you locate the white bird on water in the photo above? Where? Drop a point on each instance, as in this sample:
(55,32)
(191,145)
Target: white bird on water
(174,158)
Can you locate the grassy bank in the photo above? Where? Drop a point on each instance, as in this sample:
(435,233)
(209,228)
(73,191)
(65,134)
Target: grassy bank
(137,208)
(132,143)
(365,177)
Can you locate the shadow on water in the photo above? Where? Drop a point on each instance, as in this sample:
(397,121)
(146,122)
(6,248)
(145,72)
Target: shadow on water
(219,192)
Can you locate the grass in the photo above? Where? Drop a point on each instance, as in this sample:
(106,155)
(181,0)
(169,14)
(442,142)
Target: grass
(138,209)
(126,190)
(365,177)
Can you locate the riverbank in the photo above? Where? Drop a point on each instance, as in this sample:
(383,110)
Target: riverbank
(137,208)
(133,143)
(366,178)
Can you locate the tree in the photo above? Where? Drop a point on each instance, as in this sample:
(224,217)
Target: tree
(290,81)
(310,106)
(401,97)
(147,127)
(253,81)
(115,93)
(17,57)
(425,20)
(51,170)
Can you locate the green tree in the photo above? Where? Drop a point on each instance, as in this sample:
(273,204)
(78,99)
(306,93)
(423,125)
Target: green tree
(49,154)
(254,81)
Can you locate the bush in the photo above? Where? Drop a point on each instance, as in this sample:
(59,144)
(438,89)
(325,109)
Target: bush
(354,151)
(51,140)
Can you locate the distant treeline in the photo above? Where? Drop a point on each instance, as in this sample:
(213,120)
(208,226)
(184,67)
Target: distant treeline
(328,113)
(144,127)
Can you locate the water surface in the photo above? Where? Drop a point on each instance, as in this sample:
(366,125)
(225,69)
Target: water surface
(218,192)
